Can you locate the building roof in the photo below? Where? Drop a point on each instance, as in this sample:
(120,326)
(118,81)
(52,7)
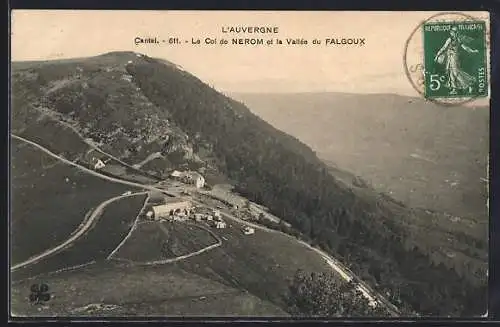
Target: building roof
(170,206)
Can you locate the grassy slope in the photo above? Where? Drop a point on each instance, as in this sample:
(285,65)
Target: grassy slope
(101,104)
(46,208)
(140,291)
(150,242)
(262,263)
(51,135)
(108,231)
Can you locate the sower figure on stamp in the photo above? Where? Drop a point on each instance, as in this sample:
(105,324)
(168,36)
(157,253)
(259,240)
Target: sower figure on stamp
(449,55)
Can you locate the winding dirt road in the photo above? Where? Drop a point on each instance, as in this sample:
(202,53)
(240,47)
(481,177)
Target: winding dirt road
(373,297)
(90,171)
(79,232)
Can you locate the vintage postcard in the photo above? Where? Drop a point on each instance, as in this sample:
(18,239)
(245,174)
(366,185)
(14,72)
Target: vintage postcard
(249,164)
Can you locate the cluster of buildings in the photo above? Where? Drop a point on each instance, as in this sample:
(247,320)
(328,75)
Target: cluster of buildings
(180,209)
(213,218)
(177,208)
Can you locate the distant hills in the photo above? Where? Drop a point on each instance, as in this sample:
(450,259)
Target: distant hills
(132,106)
(421,153)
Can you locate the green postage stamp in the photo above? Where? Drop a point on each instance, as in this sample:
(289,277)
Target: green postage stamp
(455,59)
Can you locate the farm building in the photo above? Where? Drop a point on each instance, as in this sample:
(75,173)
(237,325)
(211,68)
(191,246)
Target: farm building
(248,230)
(176,174)
(195,178)
(220,224)
(189,177)
(99,164)
(171,208)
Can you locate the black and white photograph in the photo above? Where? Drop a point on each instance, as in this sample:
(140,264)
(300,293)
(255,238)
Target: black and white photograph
(248,164)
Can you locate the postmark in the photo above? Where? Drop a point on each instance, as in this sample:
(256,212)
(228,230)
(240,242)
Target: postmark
(446,58)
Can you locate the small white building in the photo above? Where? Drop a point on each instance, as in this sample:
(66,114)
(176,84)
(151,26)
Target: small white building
(150,214)
(220,224)
(190,178)
(248,230)
(217,213)
(198,180)
(99,164)
(176,173)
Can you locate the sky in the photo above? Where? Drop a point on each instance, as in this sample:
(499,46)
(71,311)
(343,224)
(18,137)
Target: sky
(376,67)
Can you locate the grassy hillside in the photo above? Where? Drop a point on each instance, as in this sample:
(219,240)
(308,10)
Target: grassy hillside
(95,96)
(138,291)
(262,263)
(49,200)
(156,241)
(111,98)
(96,244)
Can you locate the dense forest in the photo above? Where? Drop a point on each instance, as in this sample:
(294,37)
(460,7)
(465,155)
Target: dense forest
(274,169)
(320,294)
